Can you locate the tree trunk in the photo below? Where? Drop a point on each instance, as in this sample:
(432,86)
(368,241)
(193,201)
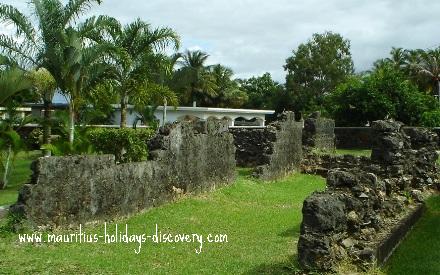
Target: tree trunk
(71,123)
(47,129)
(123,121)
(8,160)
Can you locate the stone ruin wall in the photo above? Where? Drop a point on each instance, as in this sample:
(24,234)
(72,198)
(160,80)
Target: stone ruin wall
(319,133)
(365,198)
(273,151)
(184,157)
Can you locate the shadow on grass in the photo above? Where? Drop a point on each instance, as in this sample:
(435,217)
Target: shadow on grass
(290,266)
(244,172)
(291,233)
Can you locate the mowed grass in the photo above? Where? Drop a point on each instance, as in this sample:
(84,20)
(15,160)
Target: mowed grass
(261,221)
(20,174)
(419,253)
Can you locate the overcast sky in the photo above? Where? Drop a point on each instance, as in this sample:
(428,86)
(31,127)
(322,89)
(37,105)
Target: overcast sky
(253,37)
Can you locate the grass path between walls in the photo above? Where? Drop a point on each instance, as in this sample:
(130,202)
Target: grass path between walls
(419,253)
(261,221)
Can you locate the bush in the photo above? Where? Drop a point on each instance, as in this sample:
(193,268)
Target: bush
(126,144)
(431,119)
(35,138)
(383,93)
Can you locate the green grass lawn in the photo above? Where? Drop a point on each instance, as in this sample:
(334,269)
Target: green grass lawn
(261,221)
(20,174)
(419,253)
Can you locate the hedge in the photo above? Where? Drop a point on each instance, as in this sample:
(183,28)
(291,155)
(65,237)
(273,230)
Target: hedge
(128,145)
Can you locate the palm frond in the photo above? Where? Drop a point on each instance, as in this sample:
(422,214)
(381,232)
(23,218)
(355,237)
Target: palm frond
(11,15)
(12,81)
(75,8)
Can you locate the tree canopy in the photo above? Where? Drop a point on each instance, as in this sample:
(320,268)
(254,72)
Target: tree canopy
(316,68)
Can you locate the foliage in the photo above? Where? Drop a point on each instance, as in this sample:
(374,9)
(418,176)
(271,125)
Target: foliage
(192,81)
(431,119)
(316,68)
(139,64)
(35,138)
(261,91)
(12,81)
(383,93)
(19,176)
(227,92)
(56,44)
(61,146)
(128,145)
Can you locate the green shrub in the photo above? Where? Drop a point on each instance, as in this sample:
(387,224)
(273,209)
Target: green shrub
(431,119)
(126,144)
(35,138)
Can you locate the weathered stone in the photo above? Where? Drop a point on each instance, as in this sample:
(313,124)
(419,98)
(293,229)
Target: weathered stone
(323,212)
(339,178)
(373,191)
(273,151)
(188,157)
(386,126)
(349,242)
(319,133)
(417,195)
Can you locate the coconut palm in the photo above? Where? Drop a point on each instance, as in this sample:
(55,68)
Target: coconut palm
(428,66)
(50,43)
(398,57)
(193,79)
(140,61)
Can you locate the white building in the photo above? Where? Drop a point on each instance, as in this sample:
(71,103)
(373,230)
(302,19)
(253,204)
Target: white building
(236,117)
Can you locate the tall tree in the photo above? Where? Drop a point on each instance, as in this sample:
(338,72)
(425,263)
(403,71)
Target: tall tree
(428,67)
(140,62)
(316,68)
(261,91)
(193,80)
(52,43)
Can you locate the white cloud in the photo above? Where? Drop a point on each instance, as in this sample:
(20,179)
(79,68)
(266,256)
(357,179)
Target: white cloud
(253,37)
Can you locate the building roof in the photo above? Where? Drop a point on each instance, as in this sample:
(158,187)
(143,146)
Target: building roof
(207,109)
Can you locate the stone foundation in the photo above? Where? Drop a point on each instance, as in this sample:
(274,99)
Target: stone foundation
(365,198)
(273,151)
(319,133)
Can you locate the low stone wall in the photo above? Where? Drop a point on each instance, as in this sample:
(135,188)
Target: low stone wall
(353,137)
(319,133)
(360,137)
(273,151)
(185,157)
(366,198)
(253,145)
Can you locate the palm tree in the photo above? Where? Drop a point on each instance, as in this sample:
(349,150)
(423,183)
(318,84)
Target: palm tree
(428,66)
(140,61)
(44,85)
(397,58)
(44,45)
(193,78)
(12,81)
